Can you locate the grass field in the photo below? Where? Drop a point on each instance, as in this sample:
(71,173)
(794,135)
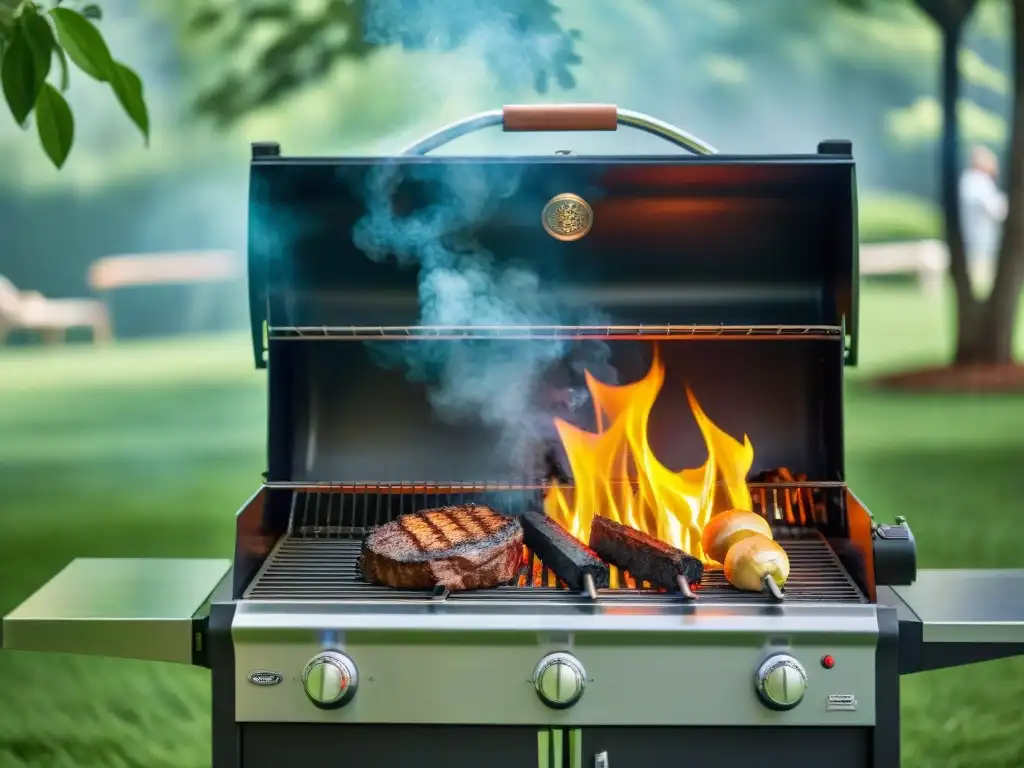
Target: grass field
(148,448)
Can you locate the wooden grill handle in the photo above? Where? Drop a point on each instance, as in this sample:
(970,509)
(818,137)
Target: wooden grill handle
(560,117)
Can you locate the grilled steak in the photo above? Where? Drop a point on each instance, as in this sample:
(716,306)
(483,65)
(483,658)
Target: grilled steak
(469,546)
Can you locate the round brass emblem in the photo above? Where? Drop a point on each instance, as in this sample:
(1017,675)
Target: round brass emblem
(567,217)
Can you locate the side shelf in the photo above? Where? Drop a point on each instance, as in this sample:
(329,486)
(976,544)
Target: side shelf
(130,608)
(950,618)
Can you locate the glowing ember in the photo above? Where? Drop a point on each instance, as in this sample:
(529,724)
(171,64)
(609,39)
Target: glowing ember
(616,474)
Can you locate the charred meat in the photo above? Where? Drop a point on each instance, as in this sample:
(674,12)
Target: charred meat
(644,557)
(570,559)
(469,546)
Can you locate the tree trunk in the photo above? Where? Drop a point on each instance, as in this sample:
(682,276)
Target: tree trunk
(968,310)
(991,341)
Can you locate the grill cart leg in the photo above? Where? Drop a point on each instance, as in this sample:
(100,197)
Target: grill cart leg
(886,741)
(221,659)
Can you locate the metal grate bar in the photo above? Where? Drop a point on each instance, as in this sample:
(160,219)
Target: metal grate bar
(326,569)
(530,332)
(349,510)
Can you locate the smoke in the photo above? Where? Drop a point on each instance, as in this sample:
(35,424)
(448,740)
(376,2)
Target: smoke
(461,283)
(517,41)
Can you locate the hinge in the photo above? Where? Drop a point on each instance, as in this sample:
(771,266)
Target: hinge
(200,625)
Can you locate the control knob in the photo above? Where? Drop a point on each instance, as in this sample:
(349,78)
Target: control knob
(559,679)
(330,679)
(781,682)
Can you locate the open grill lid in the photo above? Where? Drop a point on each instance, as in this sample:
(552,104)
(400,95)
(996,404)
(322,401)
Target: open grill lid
(429,265)
(337,244)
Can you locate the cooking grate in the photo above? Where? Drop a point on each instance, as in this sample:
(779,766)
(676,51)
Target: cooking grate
(326,569)
(317,559)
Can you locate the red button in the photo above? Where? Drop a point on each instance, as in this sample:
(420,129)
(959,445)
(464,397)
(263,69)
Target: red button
(828,662)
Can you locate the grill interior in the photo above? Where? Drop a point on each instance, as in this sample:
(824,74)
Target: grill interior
(317,558)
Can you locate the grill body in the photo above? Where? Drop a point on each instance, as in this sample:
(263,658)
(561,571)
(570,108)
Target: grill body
(739,274)
(454,670)
(359,432)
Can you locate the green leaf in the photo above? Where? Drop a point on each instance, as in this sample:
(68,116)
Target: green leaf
(128,87)
(55,124)
(205,20)
(93,11)
(18,74)
(84,44)
(62,59)
(40,39)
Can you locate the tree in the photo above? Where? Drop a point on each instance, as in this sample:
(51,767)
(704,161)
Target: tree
(31,38)
(291,47)
(529,44)
(984,327)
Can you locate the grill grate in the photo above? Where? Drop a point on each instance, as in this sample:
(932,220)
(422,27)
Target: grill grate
(345,511)
(309,568)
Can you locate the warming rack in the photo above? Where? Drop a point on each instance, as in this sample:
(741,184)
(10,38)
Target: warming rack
(351,509)
(539,332)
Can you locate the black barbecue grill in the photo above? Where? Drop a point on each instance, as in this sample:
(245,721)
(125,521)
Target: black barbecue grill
(423,321)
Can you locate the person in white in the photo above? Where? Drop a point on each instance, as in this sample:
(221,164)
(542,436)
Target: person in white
(982,210)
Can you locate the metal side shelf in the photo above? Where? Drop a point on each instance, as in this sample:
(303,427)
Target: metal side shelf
(950,618)
(130,608)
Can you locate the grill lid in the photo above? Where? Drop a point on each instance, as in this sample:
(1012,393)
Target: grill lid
(463,298)
(356,245)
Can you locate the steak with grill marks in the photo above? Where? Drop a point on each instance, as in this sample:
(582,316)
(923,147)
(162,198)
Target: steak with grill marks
(468,546)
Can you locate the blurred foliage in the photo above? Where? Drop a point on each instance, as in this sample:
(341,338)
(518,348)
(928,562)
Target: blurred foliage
(32,37)
(749,77)
(273,48)
(922,122)
(888,217)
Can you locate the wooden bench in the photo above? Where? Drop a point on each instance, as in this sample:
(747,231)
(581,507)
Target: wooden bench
(131,270)
(50,318)
(927,259)
(203,270)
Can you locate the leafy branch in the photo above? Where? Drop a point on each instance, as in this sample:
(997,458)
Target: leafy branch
(32,37)
(521,41)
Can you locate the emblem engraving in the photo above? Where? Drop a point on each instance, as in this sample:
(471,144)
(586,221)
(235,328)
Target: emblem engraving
(265,678)
(841,702)
(567,217)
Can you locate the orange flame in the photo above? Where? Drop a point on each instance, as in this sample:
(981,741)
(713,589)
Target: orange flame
(615,472)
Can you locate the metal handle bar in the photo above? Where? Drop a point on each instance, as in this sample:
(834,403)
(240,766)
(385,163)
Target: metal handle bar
(560,117)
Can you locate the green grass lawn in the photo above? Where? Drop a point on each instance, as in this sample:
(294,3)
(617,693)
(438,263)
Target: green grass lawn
(146,449)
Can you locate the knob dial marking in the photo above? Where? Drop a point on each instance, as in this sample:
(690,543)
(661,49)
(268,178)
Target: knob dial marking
(330,679)
(560,680)
(781,682)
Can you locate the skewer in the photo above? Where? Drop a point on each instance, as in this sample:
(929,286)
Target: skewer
(684,587)
(642,557)
(769,586)
(562,555)
(440,593)
(589,587)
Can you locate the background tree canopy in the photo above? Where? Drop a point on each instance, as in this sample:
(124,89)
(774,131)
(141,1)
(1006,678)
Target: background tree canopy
(748,77)
(335,74)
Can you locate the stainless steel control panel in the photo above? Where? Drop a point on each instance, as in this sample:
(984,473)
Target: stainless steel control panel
(604,674)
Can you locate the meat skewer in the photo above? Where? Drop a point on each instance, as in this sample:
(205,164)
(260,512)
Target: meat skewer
(645,557)
(570,560)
